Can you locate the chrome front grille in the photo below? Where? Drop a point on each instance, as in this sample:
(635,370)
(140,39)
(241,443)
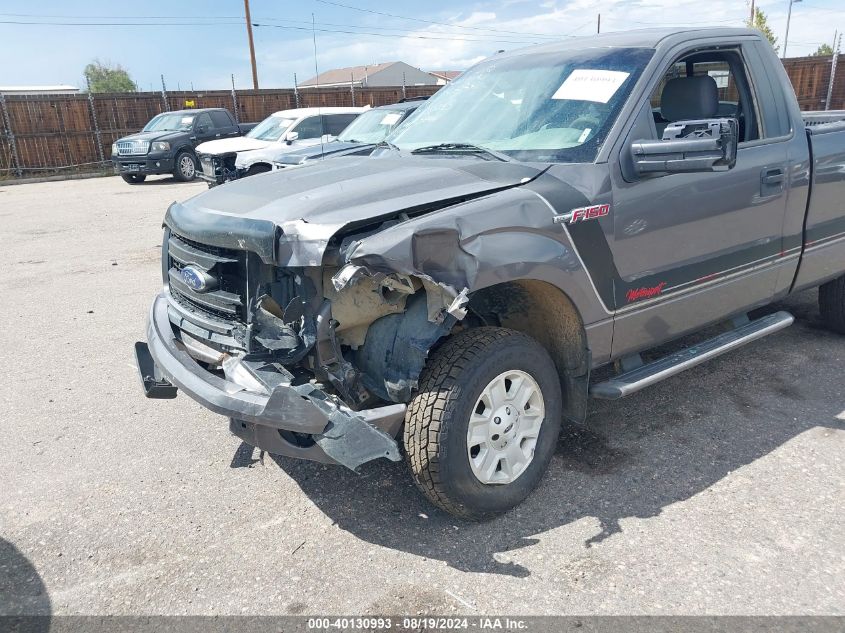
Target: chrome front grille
(132,148)
(227,300)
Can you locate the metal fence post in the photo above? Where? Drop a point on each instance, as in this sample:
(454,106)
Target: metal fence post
(352,87)
(404,96)
(164,94)
(96,124)
(833,62)
(7,126)
(235,100)
(295,91)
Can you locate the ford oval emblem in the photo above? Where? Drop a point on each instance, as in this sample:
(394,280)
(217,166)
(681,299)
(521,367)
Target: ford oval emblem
(197,279)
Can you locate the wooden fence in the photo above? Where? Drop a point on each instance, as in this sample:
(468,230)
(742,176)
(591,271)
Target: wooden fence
(54,134)
(48,134)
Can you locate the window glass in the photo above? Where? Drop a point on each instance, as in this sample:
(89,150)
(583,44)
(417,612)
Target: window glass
(309,128)
(271,128)
(726,70)
(336,123)
(204,121)
(170,121)
(372,126)
(547,106)
(220,118)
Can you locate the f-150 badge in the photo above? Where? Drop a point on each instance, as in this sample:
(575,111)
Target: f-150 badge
(583,213)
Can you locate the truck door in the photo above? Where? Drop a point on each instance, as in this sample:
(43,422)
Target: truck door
(204,130)
(223,124)
(691,249)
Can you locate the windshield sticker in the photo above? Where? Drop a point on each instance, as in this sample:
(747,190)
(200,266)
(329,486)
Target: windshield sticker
(390,118)
(591,85)
(585,134)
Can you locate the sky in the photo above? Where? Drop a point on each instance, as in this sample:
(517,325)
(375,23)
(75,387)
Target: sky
(200,44)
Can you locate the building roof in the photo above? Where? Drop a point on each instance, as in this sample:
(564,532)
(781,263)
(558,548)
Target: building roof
(345,75)
(38,89)
(448,75)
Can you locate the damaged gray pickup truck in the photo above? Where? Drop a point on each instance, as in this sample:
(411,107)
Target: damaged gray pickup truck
(554,210)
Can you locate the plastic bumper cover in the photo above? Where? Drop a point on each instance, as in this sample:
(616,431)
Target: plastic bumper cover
(346,436)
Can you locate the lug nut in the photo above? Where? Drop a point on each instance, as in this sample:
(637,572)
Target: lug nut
(498,420)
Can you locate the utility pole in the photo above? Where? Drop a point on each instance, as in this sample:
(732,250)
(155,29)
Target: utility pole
(833,61)
(788,18)
(751,19)
(598,24)
(251,45)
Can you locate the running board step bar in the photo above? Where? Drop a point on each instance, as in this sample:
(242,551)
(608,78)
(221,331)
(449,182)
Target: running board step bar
(643,376)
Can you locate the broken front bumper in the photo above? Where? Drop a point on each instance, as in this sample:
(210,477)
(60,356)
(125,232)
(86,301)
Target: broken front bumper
(339,434)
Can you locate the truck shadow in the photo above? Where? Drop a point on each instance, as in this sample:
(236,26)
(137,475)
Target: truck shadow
(24,602)
(630,459)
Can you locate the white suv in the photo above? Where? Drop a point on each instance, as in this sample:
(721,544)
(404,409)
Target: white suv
(226,159)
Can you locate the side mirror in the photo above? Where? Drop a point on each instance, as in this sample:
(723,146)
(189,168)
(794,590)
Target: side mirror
(689,146)
(290,137)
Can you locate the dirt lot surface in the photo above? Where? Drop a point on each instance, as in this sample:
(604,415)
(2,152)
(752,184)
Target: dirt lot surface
(719,491)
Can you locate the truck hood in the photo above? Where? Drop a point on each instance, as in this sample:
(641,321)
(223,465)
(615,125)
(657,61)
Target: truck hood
(305,208)
(229,145)
(155,136)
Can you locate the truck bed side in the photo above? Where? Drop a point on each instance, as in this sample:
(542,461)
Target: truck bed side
(823,254)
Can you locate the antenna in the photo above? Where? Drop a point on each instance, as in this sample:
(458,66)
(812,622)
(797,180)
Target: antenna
(317,77)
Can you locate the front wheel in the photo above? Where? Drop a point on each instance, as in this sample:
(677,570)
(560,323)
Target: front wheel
(483,425)
(186,166)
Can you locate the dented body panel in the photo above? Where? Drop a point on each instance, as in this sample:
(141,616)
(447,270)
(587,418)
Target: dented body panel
(323,291)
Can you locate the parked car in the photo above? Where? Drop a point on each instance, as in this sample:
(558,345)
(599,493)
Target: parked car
(359,139)
(534,221)
(166,144)
(285,130)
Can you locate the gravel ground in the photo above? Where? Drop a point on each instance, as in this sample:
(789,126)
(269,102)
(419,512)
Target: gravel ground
(717,492)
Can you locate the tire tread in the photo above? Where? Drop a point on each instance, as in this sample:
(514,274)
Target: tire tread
(438,393)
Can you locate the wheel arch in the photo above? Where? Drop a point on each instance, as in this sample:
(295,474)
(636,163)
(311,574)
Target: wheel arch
(547,314)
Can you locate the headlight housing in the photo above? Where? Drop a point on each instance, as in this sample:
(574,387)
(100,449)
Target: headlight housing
(160,146)
(114,149)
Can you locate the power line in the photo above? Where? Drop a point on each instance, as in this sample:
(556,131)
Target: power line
(418,37)
(233,17)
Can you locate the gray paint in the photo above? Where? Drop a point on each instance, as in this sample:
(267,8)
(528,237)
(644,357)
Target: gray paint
(718,243)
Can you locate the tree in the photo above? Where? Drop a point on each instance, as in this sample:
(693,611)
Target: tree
(823,51)
(104,78)
(761,23)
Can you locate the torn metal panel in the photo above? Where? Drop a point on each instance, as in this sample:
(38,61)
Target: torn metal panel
(350,440)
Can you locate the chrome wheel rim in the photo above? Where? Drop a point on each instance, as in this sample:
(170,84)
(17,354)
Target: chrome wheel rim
(504,427)
(186,166)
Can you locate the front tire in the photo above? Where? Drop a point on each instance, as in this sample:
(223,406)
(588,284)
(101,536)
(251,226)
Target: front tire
(185,166)
(134,179)
(483,425)
(832,304)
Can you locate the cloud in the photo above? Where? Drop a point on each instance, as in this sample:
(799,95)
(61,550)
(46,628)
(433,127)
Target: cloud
(280,57)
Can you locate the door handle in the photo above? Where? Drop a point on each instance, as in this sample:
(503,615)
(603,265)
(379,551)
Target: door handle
(772,176)
(217,135)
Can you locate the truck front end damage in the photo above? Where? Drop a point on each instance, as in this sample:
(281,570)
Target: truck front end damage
(308,357)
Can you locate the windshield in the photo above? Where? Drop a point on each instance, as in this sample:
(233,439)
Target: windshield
(170,121)
(545,107)
(271,128)
(371,127)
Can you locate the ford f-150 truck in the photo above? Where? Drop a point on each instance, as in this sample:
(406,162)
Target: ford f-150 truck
(166,144)
(554,210)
